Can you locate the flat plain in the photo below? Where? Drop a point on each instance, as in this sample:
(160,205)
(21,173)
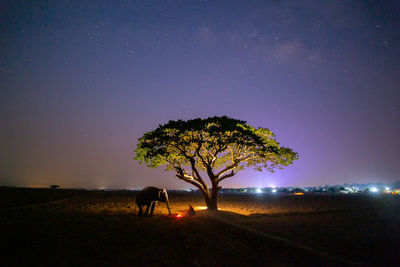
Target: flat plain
(78,227)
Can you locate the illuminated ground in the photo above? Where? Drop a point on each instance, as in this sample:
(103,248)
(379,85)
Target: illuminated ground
(101,228)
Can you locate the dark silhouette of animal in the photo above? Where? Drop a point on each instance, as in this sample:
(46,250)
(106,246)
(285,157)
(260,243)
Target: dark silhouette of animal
(191,211)
(149,197)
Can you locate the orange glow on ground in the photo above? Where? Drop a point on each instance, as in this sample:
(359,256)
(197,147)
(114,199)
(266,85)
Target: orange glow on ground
(298,194)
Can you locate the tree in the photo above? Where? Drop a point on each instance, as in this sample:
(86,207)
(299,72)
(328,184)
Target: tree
(217,147)
(54,186)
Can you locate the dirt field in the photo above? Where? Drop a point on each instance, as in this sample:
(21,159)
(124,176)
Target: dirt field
(66,227)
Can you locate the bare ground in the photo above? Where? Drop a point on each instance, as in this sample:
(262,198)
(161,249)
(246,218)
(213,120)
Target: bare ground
(63,227)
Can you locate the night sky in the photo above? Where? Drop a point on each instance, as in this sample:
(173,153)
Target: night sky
(81,81)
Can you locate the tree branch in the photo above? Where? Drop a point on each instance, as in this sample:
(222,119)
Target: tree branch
(228,168)
(200,156)
(221,148)
(199,179)
(196,175)
(234,165)
(193,182)
(232,173)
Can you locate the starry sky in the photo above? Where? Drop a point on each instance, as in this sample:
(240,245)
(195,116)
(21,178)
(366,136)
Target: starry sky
(81,81)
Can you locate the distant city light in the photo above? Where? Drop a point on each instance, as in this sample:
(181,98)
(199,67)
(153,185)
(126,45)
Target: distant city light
(387,188)
(374,189)
(274,190)
(258,190)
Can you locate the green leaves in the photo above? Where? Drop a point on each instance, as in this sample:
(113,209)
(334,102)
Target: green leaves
(216,145)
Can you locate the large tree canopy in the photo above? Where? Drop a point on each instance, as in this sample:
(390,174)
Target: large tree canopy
(217,147)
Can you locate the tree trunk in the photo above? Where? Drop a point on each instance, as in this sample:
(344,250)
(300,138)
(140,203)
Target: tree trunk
(212,200)
(213,203)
